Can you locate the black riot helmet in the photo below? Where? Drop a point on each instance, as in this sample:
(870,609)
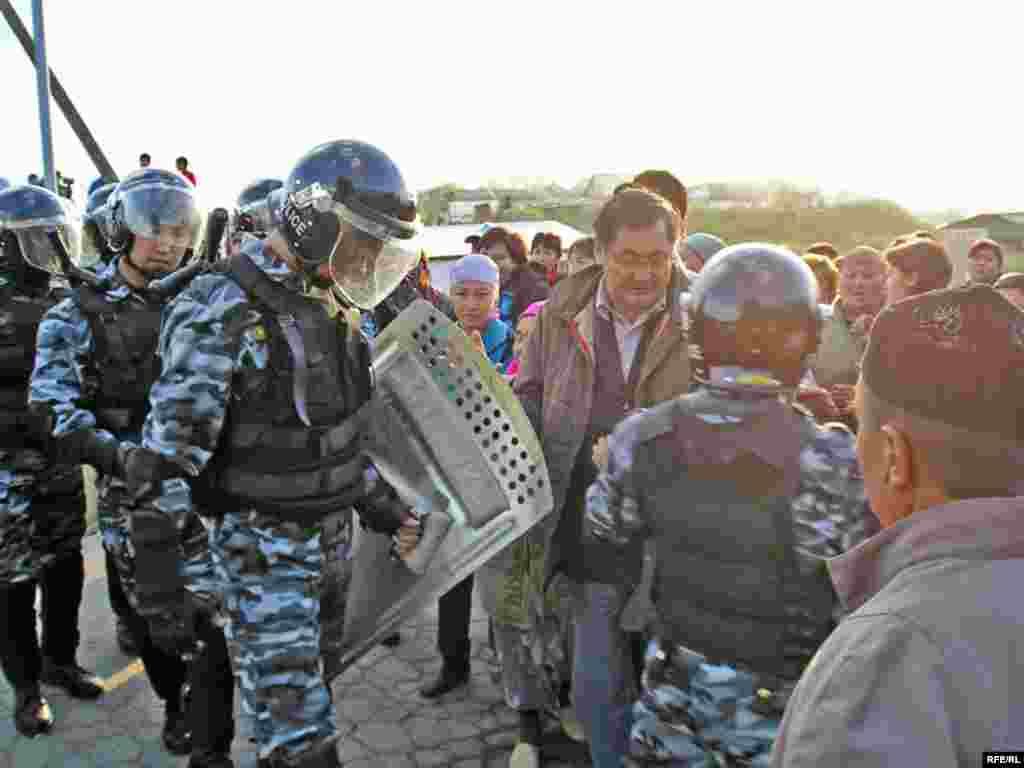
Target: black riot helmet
(29,217)
(96,228)
(157,205)
(754,315)
(348,207)
(252,211)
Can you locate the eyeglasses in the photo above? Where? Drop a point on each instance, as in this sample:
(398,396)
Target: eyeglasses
(634,262)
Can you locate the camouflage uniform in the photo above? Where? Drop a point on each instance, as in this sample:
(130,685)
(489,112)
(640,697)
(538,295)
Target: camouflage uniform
(225,360)
(28,542)
(67,377)
(801,500)
(42,518)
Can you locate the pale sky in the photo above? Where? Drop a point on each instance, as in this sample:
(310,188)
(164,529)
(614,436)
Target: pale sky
(918,102)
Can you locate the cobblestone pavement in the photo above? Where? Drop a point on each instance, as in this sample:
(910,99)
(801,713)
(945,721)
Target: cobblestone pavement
(382,719)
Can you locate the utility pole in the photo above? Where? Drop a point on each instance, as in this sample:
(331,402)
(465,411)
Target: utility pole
(43,93)
(92,148)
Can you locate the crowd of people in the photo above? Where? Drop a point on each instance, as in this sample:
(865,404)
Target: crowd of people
(785,485)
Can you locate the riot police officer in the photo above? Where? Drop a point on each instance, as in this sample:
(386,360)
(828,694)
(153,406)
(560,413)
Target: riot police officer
(743,497)
(95,363)
(252,421)
(251,208)
(95,229)
(42,505)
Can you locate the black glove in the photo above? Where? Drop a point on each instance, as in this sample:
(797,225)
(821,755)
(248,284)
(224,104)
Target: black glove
(85,446)
(144,470)
(174,630)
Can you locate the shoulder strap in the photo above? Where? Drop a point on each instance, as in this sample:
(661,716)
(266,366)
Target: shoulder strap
(296,317)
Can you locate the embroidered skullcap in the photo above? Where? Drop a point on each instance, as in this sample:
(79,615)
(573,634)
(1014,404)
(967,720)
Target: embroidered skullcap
(954,356)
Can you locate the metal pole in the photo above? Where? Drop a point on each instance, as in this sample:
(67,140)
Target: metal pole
(81,130)
(43,91)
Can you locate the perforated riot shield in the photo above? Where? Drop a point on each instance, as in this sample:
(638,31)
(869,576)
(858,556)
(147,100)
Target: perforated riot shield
(446,431)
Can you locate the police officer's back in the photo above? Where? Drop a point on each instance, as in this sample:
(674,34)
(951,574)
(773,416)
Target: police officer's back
(743,496)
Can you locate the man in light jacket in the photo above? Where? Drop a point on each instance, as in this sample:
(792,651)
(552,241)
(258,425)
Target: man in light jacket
(926,670)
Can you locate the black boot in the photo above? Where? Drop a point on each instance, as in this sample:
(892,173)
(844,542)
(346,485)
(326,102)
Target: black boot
(210,760)
(79,683)
(32,714)
(176,736)
(322,756)
(452,676)
(126,640)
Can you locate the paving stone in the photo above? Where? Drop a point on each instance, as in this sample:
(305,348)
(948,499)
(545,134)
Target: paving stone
(356,710)
(117,748)
(32,753)
(8,733)
(464,749)
(393,761)
(487,723)
(384,737)
(155,756)
(508,718)
(390,670)
(501,739)
(84,715)
(468,764)
(351,749)
(432,758)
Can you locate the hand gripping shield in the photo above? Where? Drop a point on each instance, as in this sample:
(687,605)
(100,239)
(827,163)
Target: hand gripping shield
(446,431)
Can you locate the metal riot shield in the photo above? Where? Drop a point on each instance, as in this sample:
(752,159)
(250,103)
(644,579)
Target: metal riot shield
(446,431)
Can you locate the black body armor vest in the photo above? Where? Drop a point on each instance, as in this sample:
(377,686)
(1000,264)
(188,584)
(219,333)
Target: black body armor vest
(19,448)
(19,322)
(124,364)
(290,447)
(730,584)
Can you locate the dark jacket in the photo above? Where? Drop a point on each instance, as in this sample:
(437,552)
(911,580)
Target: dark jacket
(556,384)
(522,288)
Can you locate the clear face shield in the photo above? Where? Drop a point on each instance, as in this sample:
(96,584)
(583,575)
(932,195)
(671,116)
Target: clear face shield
(37,248)
(163,212)
(366,258)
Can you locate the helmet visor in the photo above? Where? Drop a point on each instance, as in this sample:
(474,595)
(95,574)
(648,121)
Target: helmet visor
(162,212)
(39,251)
(366,263)
(92,253)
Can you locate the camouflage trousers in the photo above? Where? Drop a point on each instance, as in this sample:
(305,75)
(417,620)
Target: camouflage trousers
(42,516)
(270,574)
(696,714)
(114,519)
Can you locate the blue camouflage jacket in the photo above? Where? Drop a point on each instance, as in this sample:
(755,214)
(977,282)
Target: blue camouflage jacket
(208,333)
(63,352)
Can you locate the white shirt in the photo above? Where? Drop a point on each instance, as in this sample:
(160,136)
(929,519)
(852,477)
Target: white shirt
(627,334)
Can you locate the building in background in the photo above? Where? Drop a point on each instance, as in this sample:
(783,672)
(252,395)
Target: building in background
(1007,229)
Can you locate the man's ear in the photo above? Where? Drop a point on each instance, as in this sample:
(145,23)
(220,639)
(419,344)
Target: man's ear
(900,474)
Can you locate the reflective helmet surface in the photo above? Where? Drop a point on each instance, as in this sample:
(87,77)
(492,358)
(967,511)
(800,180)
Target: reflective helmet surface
(96,227)
(349,207)
(253,212)
(96,183)
(255,191)
(754,307)
(155,204)
(29,215)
